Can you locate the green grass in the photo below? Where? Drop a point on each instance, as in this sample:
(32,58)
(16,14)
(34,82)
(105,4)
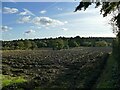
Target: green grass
(8,80)
(106,80)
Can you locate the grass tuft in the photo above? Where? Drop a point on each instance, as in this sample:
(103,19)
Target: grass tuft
(8,80)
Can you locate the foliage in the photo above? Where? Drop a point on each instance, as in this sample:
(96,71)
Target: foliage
(58,44)
(101,43)
(107,8)
(112,8)
(55,43)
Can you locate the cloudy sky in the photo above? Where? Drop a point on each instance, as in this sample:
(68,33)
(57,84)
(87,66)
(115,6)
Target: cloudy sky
(28,20)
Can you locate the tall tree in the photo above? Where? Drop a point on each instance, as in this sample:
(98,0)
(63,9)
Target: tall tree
(114,9)
(107,8)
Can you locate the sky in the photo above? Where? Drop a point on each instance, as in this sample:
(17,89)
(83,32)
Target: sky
(30,20)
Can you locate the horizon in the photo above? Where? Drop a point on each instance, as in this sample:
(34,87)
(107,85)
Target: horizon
(54,38)
(51,19)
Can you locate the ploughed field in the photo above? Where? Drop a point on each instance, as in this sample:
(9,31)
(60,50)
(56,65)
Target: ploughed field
(72,68)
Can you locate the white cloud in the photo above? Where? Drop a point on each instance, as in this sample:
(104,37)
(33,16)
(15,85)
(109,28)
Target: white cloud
(7,10)
(29,31)
(64,29)
(46,21)
(25,19)
(35,27)
(41,21)
(43,11)
(60,9)
(66,22)
(5,28)
(26,12)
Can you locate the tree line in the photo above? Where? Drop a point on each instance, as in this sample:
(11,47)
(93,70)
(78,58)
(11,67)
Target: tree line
(57,43)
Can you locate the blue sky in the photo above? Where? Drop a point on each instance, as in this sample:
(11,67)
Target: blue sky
(29,20)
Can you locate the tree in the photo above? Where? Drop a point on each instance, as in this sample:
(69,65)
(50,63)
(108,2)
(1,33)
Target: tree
(78,40)
(27,44)
(41,44)
(58,44)
(114,9)
(20,44)
(101,44)
(72,43)
(34,45)
(86,43)
(66,46)
(107,8)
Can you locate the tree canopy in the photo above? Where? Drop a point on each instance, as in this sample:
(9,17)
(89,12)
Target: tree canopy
(114,9)
(56,43)
(107,8)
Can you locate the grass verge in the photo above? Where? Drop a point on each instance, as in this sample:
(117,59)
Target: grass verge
(106,80)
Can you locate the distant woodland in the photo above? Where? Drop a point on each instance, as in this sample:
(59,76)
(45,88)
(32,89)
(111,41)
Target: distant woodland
(57,43)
